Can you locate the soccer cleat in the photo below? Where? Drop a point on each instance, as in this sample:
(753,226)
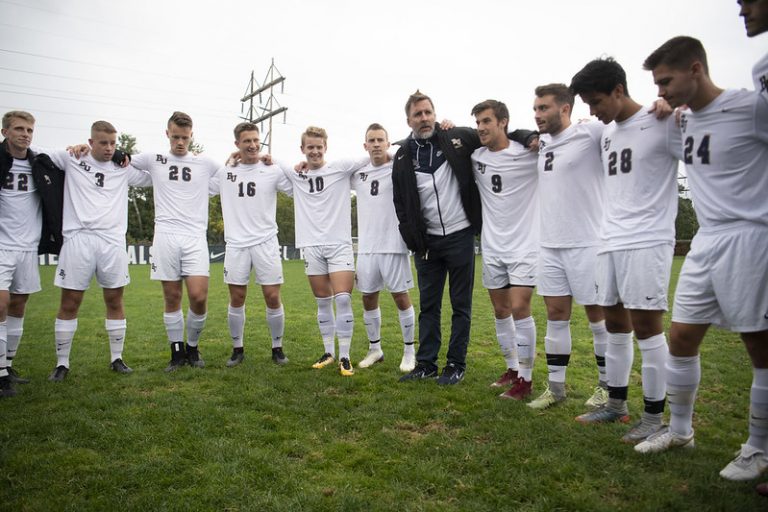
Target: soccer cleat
(345,367)
(648,425)
(278,357)
(15,377)
(663,440)
(420,372)
(235,359)
(598,399)
(408,363)
(323,361)
(174,364)
(520,389)
(507,379)
(58,374)
(7,388)
(120,367)
(603,415)
(193,357)
(374,356)
(451,375)
(750,462)
(546,400)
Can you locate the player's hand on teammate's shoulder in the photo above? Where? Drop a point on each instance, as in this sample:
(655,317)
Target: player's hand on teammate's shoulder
(266,159)
(447,124)
(661,108)
(79,150)
(233,159)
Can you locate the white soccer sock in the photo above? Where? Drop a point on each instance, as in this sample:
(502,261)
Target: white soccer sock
(15,330)
(345,322)
(654,353)
(3,349)
(600,339)
(525,339)
(758,410)
(372,321)
(64,332)
(407,326)
(683,377)
(505,335)
(618,359)
(276,323)
(174,326)
(557,344)
(116,333)
(195,325)
(236,324)
(326,323)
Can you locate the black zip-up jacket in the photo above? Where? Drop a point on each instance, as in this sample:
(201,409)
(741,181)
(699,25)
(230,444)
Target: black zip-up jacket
(457,145)
(49,181)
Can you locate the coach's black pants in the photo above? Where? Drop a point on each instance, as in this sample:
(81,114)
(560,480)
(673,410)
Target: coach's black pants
(452,256)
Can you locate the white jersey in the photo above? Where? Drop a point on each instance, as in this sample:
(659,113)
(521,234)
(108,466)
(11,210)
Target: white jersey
(322,204)
(508,181)
(760,76)
(180,190)
(249,202)
(571,187)
(96,196)
(21,218)
(725,150)
(377,222)
(640,157)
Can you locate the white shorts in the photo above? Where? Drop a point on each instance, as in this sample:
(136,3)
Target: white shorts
(637,278)
(19,272)
(263,258)
(568,271)
(320,260)
(513,270)
(177,256)
(724,280)
(85,255)
(375,271)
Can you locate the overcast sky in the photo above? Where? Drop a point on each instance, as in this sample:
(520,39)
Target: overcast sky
(347,63)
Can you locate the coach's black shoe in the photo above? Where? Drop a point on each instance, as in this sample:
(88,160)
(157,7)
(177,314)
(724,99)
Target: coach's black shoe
(15,377)
(278,356)
(452,374)
(193,358)
(236,358)
(120,367)
(421,372)
(7,388)
(58,374)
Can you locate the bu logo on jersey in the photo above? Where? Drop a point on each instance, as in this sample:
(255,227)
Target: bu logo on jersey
(85,166)
(481,168)
(231,177)
(161,159)
(763,83)
(363,176)
(683,122)
(606,144)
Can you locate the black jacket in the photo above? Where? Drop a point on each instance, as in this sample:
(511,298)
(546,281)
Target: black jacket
(49,181)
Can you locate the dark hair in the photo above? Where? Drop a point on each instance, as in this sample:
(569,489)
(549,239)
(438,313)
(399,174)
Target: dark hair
(599,75)
(678,53)
(375,126)
(180,119)
(415,98)
(562,94)
(500,110)
(245,127)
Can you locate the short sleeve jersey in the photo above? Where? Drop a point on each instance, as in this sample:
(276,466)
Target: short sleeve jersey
(640,160)
(725,150)
(571,186)
(249,202)
(508,182)
(180,187)
(376,218)
(20,210)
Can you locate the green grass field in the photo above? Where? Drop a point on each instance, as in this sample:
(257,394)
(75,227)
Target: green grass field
(262,437)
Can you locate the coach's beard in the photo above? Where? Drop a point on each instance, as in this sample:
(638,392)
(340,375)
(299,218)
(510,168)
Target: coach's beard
(424,135)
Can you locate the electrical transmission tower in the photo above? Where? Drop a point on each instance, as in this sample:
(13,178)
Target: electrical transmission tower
(265,110)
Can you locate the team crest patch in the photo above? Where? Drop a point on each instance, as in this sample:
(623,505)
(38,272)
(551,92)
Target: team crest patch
(363,176)
(456,143)
(231,176)
(683,122)
(481,168)
(161,159)
(606,144)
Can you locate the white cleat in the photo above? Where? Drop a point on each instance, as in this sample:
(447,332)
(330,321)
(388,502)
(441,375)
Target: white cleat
(750,462)
(408,363)
(373,357)
(663,440)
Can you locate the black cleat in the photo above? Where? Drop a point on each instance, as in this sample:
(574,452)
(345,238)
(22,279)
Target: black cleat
(58,374)
(278,356)
(451,375)
(236,358)
(7,388)
(193,358)
(421,372)
(15,377)
(120,367)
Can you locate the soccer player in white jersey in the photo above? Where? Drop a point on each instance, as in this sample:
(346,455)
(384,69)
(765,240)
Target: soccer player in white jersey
(755,14)
(180,248)
(382,257)
(507,177)
(724,277)
(322,210)
(95,221)
(571,208)
(248,205)
(634,261)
